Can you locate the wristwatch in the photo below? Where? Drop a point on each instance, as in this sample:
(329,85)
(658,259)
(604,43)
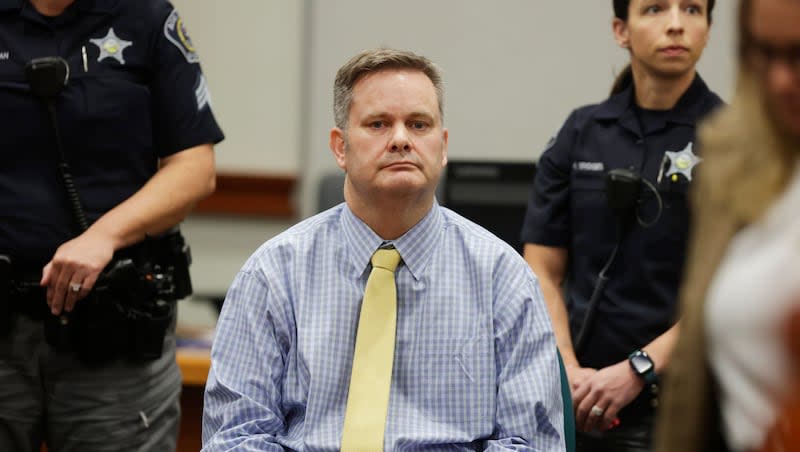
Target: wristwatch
(643,366)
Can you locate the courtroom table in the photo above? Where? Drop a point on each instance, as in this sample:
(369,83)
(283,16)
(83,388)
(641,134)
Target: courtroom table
(194,364)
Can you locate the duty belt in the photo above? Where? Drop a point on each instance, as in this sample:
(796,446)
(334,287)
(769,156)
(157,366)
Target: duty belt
(26,296)
(29,300)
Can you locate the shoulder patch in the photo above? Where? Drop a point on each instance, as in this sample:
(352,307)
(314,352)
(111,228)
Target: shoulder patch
(201,92)
(175,32)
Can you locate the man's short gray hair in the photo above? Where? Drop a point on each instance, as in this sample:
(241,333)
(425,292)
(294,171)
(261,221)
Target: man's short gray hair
(370,61)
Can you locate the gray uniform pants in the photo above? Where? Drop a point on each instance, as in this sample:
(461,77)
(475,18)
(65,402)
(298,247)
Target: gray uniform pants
(46,396)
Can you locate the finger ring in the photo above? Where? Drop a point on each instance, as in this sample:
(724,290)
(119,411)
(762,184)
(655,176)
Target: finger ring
(75,287)
(596,411)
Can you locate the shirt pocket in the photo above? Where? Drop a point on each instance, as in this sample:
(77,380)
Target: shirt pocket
(592,219)
(458,381)
(24,116)
(667,236)
(118,114)
(588,190)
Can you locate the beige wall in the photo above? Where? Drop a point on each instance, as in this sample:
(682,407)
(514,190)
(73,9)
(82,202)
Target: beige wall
(513,70)
(251,52)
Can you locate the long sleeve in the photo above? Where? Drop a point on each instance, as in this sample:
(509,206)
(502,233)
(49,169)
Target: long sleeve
(529,405)
(475,358)
(243,393)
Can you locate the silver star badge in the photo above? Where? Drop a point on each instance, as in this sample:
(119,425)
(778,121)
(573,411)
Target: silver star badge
(111,46)
(682,162)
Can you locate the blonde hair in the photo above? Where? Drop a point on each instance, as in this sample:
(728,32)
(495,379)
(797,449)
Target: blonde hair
(748,160)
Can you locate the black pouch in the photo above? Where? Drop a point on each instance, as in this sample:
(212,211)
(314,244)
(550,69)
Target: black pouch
(149,328)
(99,331)
(170,257)
(183,281)
(5,297)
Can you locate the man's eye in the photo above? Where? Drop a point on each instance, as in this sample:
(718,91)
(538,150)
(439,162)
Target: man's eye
(652,9)
(694,10)
(376,124)
(419,125)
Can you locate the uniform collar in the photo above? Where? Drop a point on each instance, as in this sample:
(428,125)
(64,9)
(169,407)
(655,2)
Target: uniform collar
(94,6)
(688,110)
(10,5)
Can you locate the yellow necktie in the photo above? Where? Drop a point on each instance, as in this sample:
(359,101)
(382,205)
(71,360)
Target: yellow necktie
(371,376)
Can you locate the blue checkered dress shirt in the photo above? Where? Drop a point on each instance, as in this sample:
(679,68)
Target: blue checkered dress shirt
(475,357)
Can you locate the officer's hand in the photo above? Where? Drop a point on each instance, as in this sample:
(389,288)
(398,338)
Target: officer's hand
(75,265)
(576,376)
(610,389)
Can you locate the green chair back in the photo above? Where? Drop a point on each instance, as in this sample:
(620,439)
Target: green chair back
(569,414)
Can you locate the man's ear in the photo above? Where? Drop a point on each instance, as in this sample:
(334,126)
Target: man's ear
(445,136)
(337,145)
(621,35)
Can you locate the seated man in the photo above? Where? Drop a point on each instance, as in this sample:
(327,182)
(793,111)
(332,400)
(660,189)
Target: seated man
(387,322)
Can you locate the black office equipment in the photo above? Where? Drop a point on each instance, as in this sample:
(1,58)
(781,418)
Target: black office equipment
(491,193)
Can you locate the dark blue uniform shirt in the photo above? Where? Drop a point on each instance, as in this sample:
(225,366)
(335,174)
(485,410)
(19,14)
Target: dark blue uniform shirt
(568,209)
(137,95)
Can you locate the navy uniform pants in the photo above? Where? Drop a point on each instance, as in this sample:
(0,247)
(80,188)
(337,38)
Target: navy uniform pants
(52,397)
(627,437)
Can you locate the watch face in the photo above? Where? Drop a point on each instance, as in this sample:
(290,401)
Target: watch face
(641,363)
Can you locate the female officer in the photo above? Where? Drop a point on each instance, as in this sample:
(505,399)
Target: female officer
(644,134)
(91,168)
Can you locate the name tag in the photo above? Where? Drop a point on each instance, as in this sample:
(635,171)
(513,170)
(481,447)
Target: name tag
(588,166)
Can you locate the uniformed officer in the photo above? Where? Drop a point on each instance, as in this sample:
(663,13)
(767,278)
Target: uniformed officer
(644,134)
(128,144)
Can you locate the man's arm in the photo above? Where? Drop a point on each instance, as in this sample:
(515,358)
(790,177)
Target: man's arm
(549,264)
(183,179)
(529,405)
(242,406)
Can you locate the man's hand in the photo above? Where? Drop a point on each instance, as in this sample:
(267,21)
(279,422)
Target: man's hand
(609,389)
(75,265)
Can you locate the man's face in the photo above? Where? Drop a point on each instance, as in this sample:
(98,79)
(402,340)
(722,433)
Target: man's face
(394,143)
(665,37)
(775,58)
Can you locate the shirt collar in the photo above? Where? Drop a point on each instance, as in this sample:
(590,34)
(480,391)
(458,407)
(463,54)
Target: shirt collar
(415,246)
(687,111)
(9,5)
(94,6)
(689,108)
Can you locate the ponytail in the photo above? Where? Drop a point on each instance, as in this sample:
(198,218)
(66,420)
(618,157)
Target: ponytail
(623,81)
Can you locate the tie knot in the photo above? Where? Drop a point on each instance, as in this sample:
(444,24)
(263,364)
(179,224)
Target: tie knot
(386,258)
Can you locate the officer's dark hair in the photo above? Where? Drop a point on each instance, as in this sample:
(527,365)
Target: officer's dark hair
(375,60)
(625,77)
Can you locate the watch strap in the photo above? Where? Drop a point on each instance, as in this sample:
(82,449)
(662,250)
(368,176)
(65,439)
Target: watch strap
(649,376)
